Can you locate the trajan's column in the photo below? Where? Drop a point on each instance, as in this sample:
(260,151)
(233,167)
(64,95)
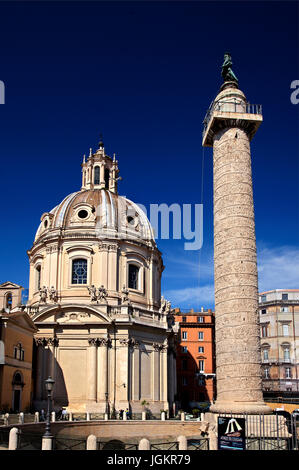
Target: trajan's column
(229,126)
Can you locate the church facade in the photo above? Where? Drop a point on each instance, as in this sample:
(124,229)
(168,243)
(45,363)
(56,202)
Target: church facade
(104,334)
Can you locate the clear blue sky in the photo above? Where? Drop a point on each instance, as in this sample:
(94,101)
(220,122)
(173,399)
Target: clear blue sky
(143,74)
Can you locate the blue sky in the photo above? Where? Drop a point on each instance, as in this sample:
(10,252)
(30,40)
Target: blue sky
(144,74)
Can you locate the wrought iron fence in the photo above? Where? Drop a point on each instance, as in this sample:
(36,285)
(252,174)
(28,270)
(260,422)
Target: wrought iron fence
(165,446)
(67,443)
(28,441)
(198,444)
(4,437)
(115,444)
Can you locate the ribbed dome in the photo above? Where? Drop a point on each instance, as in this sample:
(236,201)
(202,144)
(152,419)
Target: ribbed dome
(100,211)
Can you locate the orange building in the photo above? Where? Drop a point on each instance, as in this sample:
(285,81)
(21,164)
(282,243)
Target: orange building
(16,345)
(195,359)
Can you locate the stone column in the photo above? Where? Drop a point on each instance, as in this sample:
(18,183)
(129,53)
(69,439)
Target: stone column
(92,370)
(156,369)
(102,175)
(40,369)
(103,368)
(163,380)
(53,344)
(238,369)
(136,373)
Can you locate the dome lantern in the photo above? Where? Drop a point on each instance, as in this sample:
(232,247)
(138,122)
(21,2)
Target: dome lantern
(100,171)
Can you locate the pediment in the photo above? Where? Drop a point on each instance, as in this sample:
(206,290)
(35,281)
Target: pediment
(22,319)
(9,285)
(71,314)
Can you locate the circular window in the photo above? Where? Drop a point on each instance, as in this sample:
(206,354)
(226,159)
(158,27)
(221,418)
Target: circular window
(82,214)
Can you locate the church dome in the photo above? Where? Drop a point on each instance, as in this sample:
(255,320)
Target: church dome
(99,212)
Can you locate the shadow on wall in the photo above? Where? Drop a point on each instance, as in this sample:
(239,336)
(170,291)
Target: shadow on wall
(60,395)
(191,386)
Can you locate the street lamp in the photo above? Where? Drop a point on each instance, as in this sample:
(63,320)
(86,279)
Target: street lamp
(107,404)
(49,383)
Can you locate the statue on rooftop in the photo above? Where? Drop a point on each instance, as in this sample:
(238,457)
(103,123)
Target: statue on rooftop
(227,73)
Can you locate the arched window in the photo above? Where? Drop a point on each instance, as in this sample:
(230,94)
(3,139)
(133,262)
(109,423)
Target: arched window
(79,271)
(17,379)
(107,176)
(8,303)
(133,276)
(286,353)
(265,354)
(96,175)
(38,276)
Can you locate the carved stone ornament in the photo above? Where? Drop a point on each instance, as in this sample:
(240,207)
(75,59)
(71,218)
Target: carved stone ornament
(93,341)
(46,341)
(43,293)
(125,295)
(102,293)
(73,317)
(53,294)
(105,342)
(93,293)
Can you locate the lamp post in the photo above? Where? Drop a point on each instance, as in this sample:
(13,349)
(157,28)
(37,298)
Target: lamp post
(107,405)
(47,437)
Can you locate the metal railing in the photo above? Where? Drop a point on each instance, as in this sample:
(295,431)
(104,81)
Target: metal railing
(116,445)
(165,446)
(198,444)
(28,441)
(67,443)
(234,106)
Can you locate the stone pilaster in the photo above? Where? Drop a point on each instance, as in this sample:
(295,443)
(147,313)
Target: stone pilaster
(92,370)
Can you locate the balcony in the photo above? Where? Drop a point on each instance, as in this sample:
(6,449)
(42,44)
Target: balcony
(230,108)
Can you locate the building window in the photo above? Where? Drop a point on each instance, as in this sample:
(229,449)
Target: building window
(200,335)
(184,349)
(284,309)
(200,319)
(264,310)
(201,349)
(263,298)
(38,276)
(201,380)
(201,365)
(284,296)
(107,176)
(184,319)
(267,373)
(288,373)
(133,276)
(184,334)
(285,330)
(8,301)
(19,352)
(184,364)
(264,331)
(184,381)
(79,271)
(96,179)
(265,354)
(286,354)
